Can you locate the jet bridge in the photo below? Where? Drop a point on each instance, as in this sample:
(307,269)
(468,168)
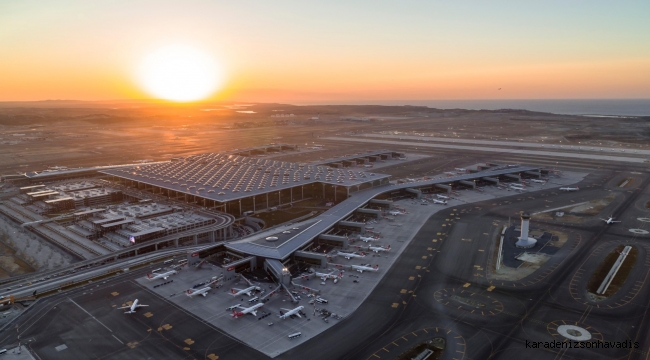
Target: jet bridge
(537,175)
(277,269)
(513,176)
(313,258)
(237,266)
(491,179)
(418,193)
(381,203)
(470,184)
(355,226)
(375,213)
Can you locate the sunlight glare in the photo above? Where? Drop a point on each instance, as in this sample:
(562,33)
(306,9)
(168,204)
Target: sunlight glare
(179,73)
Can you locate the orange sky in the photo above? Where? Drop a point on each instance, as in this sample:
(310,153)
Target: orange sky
(299,52)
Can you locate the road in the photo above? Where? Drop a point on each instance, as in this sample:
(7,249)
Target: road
(424,295)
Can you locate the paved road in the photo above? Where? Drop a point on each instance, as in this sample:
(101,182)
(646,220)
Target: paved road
(560,154)
(413,304)
(512,313)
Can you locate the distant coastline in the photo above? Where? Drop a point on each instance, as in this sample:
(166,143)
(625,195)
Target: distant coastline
(597,107)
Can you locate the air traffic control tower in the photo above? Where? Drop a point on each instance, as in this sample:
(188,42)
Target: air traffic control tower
(524,241)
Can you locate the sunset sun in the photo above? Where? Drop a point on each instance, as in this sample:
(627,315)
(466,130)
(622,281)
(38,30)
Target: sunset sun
(179,73)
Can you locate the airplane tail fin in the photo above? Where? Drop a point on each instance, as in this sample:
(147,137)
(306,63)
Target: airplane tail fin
(363,254)
(149,276)
(232,291)
(340,275)
(377,266)
(189,291)
(388,248)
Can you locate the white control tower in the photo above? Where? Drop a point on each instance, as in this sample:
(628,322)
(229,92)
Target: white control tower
(524,241)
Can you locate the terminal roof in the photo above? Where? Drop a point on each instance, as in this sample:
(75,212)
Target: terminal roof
(224,177)
(331,217)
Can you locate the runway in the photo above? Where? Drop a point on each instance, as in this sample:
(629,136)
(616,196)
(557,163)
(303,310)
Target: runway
(603,157)
(424,295)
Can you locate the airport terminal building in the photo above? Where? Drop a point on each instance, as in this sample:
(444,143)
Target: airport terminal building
(238,184)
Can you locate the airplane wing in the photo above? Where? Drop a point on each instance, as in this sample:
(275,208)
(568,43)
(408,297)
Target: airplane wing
(298,315)
(615,221)
(254,312)
(124,307)
(285,310)
(141,305)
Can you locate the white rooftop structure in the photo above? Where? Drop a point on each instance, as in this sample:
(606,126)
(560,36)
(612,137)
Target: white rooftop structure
(224,177)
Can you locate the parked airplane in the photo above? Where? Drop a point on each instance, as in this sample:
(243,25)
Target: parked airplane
(163,276)
(395,212)
(331,275)
(248,291)
(379,248)
(351,255)
(517,186)
(538,181)
(367,238)
(288,313)
(460,170)
(362,268)
(610,220)
(442,202)
(444,197)
(132,308)
(569,188)
(368,166)
(203,291)
(248,310)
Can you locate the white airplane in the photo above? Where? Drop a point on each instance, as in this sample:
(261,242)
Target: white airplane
(351,255)
(367,238)
(163,276)
(517,186)
(368,166)
(248,291)
(410,180)
(444,197)
(244,311)
(362,268)
(288,312)
(450,173)
(331,275)
(203,291)
(379,248)
(442,202)
(395,212)
(460,169)
(538,181)
(132,308)
(569,188)
(610,220)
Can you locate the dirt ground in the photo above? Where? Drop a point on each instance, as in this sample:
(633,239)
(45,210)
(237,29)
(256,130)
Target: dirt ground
(35,136)
(577,213)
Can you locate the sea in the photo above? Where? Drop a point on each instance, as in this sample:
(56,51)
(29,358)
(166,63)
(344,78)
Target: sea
(594,107)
